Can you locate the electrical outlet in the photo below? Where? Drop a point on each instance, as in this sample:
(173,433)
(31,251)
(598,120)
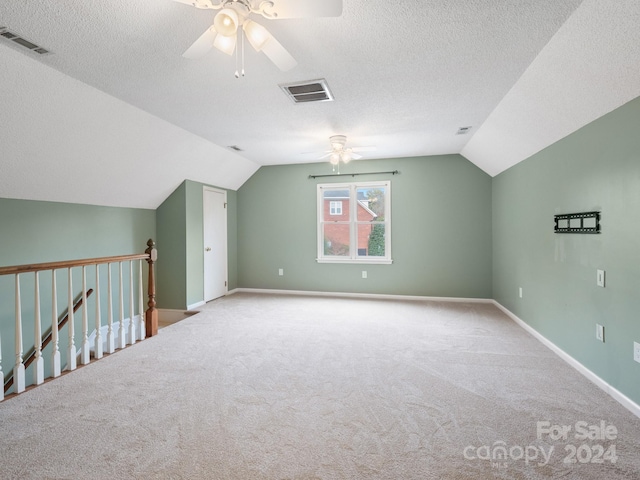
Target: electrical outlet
(364,274)
(281,271)
(636,351)
(520,292)
(599,332)
(600,278)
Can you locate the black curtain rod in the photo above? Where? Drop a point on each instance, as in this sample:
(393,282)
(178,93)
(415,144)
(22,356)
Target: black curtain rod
(395,172)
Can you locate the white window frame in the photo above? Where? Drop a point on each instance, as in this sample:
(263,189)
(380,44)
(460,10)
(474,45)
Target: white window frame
(353,223)
(335,207)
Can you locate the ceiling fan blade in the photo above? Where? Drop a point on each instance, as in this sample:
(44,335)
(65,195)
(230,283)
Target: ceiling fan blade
(306,8)
(278,55)
(355,156)
(202,45)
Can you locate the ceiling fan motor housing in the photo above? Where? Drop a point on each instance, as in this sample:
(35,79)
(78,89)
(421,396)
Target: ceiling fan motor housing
(338,141)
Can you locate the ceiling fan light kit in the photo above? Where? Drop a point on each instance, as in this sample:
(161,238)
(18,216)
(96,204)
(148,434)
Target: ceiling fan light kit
(226,22)
(235,13)
(256,34)
(226,44)
(339,153)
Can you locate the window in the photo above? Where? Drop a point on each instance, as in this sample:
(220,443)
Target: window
(354,222)
(335,208)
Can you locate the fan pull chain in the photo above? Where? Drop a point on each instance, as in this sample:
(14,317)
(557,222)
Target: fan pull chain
(243,52)
(241,35)
(237,74)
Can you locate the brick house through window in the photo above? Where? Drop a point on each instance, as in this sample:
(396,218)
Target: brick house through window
(337,235)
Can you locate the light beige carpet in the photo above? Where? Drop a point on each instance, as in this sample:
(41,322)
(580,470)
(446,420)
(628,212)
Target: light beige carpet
(286,387)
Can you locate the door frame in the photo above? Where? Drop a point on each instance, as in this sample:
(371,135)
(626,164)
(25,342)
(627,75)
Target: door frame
(225,240)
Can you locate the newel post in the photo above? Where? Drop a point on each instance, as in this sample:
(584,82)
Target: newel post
(151,315)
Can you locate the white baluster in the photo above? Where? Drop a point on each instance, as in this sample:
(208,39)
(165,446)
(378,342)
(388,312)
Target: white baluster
(132,324)
(141,306)
(121,336)
(18,369)
(1,374)
(98,343)
(38,367)
(71,355)
(110,340)
(55,349)
(85,350)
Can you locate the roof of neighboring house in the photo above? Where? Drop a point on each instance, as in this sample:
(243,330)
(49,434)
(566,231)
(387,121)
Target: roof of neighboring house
(333,194)
(364,205)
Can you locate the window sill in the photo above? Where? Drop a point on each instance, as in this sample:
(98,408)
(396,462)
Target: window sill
(384,261)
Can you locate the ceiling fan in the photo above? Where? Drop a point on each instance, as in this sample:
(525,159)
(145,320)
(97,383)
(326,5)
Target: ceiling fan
(233,14)
(340,153)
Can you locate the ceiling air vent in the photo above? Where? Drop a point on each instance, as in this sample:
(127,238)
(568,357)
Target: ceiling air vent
(235,147)
(311,91)
(17,39)
(463,130)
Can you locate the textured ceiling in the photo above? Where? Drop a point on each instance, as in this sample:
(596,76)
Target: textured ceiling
(405,76)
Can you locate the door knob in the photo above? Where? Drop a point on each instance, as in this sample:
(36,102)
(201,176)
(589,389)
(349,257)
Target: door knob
(208,249)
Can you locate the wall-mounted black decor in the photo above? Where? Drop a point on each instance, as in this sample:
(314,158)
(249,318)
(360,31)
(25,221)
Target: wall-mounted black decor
(585,222)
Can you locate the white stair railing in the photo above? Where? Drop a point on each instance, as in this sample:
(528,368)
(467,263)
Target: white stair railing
(18,369)
(138,326)
(38,370)
(98,348)
(132,326)
(111,342)
(55,351)
(71,353)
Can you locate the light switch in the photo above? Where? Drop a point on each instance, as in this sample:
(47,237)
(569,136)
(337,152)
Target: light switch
(600,278)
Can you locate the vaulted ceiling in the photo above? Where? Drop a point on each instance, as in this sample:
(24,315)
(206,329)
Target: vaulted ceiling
(116,116)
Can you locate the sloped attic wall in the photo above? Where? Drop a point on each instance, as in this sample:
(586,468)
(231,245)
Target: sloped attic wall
(595,169)
(65,141)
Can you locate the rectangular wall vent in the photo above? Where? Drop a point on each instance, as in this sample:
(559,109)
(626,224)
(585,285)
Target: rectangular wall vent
(310,91)
(17,39)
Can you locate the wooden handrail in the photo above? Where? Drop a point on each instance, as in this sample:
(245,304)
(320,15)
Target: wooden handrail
(47,340)
(38,267)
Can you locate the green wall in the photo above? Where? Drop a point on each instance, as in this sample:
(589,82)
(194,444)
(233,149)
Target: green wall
(596,168)
(180,274)
(441,230)
(35,232)
(171,271)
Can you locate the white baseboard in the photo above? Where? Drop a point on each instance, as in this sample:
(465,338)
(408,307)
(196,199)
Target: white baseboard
(616,394)
(360,295)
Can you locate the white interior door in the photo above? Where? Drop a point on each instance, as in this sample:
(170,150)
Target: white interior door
(215,243)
